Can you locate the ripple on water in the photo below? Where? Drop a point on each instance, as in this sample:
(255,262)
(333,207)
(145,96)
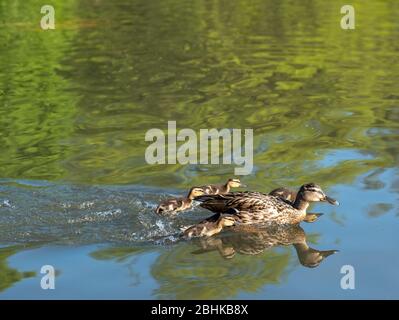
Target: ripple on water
(83,214)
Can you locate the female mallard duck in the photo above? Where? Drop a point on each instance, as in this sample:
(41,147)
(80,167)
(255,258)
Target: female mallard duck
(222,188)
(255,207)
(290,196)
(209,227)
(174,205)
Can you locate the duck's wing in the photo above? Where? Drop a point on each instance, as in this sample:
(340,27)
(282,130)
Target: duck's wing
(247,201)
(213,202)
(218,203)
(213,218)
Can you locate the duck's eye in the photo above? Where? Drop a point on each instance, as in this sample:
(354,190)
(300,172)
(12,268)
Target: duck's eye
(315,190)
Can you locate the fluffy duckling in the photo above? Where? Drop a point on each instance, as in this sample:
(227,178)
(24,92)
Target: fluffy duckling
(222,188)
(209,227)
(284,193)
(174,205)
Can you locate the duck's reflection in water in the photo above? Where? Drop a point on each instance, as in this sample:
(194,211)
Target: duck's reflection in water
(236,261)
(253,240)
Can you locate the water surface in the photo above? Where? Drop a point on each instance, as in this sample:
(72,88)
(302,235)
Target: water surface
(76,102)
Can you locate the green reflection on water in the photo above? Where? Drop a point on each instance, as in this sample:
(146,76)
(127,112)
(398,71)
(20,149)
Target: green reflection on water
(9,276)
(182,275)
(224,266)
(76,102)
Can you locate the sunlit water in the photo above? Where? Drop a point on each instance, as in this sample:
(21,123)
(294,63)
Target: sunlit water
(76,102)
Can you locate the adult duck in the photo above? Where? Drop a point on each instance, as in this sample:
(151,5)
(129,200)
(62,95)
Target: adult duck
(255,207)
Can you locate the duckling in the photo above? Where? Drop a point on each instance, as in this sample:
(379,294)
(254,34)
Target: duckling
(222,188)
(290,196)
(284,193)
(254,207)
(209,227)
(174,205)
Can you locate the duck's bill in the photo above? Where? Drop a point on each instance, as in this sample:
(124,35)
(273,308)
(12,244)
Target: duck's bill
(243,185)
(332,201)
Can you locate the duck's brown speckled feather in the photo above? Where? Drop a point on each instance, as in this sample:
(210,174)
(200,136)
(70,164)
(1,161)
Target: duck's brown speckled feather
(252,207)
(214,189)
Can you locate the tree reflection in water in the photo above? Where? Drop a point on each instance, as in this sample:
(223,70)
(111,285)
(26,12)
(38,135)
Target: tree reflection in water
(9,276)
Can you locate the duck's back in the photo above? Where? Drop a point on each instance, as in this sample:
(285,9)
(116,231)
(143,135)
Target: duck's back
(213,189)
(251,207)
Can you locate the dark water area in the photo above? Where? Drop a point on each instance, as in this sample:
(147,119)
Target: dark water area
(76,102)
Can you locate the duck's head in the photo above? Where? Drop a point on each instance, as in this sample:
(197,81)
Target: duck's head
(312,258)
(235,183)
(195,192)
(311,192)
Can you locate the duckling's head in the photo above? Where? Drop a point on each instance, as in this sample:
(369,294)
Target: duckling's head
(235,183)
(311,192)
(195,192)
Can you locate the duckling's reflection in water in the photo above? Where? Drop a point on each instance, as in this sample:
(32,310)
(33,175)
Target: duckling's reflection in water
(250,240)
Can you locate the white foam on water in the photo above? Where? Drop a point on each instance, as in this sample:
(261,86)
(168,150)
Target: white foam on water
(6,203)
(97,216)
(89,214)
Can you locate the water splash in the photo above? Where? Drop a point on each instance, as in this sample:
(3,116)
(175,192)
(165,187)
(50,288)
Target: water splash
(76,214)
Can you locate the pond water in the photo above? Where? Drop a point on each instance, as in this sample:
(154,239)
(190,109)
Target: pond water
(75,105)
